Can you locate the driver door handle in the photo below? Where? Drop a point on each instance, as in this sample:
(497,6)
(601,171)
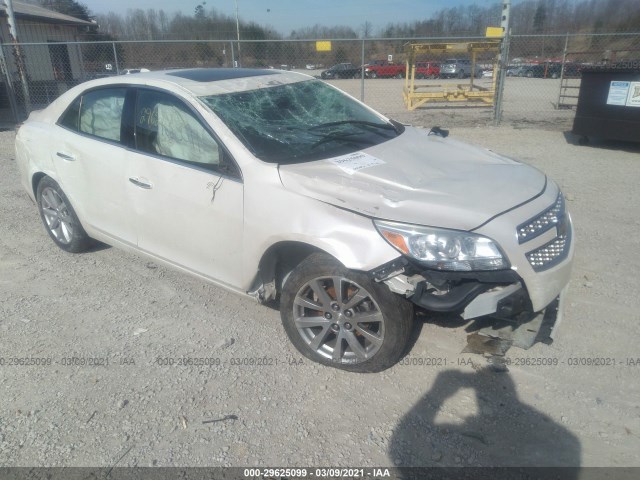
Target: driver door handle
(136,181)
(64,156)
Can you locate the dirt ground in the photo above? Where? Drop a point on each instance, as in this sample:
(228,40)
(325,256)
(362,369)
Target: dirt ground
(575,402)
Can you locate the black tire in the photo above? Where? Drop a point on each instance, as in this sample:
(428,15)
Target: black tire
(420,76)
(373,75)
(400,75)
(393,314)
(529,74)
(461,74)
(60,219)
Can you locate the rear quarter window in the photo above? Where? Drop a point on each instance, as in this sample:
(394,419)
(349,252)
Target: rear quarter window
(69,119)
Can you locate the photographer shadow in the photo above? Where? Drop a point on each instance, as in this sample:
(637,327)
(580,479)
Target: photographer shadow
(503,433)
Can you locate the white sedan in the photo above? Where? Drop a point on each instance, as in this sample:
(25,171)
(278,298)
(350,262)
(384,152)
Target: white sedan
(281,187)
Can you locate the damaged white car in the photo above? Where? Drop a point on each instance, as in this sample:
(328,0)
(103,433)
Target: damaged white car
(282,187)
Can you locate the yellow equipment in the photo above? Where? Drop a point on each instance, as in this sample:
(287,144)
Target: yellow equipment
(469,95)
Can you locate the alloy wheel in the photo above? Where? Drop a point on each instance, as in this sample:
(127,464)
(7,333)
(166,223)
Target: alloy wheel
(338,319)
(57,216)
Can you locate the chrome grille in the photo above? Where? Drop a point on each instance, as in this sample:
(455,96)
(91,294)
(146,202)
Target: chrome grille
(552,253)
(543,222)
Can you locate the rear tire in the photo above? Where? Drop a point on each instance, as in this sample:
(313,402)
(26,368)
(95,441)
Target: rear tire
(342,318)
(59,217)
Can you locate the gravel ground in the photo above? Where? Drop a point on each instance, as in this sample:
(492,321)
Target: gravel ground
(137,411)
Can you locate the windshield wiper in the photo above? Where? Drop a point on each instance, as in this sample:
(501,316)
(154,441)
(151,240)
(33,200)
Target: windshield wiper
(342,137)
(364,123)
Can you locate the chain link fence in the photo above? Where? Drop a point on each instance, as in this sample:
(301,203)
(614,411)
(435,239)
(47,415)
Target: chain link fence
(540,88)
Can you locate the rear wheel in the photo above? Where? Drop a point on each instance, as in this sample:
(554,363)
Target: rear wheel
(342,318)
(59,218)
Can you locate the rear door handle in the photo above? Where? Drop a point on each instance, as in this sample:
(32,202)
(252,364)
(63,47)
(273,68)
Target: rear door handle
(64,156)
(138,183)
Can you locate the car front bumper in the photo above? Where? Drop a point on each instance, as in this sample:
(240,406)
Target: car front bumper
(531,284)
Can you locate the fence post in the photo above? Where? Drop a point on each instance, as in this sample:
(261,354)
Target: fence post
(115,57)
(362,72)
(503,62)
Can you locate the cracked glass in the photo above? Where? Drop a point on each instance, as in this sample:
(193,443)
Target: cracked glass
(301,121)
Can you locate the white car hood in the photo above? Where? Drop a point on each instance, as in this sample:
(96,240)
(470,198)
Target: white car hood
(421,179)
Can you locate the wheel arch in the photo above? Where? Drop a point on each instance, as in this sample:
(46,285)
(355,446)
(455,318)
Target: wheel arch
(36,178)
(276,263)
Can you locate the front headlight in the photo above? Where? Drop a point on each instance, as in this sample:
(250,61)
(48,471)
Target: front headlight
(443,249)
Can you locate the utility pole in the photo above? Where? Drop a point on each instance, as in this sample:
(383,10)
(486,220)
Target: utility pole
(502,62)
(238,32)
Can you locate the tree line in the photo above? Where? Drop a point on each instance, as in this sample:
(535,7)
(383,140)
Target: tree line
(527,17)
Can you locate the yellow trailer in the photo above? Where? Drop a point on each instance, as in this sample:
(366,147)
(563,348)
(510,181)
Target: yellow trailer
(467,94)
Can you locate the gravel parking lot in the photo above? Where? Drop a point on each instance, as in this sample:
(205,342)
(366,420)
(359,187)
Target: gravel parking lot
(243,396)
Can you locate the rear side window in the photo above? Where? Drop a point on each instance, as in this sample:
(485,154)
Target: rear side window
(101,113)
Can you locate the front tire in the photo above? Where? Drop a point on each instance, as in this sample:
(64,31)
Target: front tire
(59,217)
(342,318)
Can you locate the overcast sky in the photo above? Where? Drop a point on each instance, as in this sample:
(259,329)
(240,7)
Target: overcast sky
(286,15)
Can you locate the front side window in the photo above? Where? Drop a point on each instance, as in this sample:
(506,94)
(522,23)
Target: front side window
(101,113)
(301,121)
(165,126)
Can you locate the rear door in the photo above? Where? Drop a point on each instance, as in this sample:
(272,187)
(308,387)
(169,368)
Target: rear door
(90,158)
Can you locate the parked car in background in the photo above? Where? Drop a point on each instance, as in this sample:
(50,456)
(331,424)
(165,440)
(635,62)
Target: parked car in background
(488,73)
(551,70)
(342,70)
(459,68)
(281,187)
(427,70)
(129,71)
(572,70)
(515,71)
(385,69)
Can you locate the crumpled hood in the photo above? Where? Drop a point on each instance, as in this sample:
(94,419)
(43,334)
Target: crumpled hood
(421,179)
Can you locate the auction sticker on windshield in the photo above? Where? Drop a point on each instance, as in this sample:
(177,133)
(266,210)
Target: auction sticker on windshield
(353,162)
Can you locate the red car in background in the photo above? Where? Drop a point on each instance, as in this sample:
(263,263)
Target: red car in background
(427,70)
(383,68)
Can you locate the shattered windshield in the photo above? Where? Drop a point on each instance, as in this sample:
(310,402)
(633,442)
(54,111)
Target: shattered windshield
(300,122)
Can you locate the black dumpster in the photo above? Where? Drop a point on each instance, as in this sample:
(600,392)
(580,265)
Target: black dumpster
(609,103)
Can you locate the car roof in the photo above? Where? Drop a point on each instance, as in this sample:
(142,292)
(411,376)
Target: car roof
(194,81)
(207,81)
